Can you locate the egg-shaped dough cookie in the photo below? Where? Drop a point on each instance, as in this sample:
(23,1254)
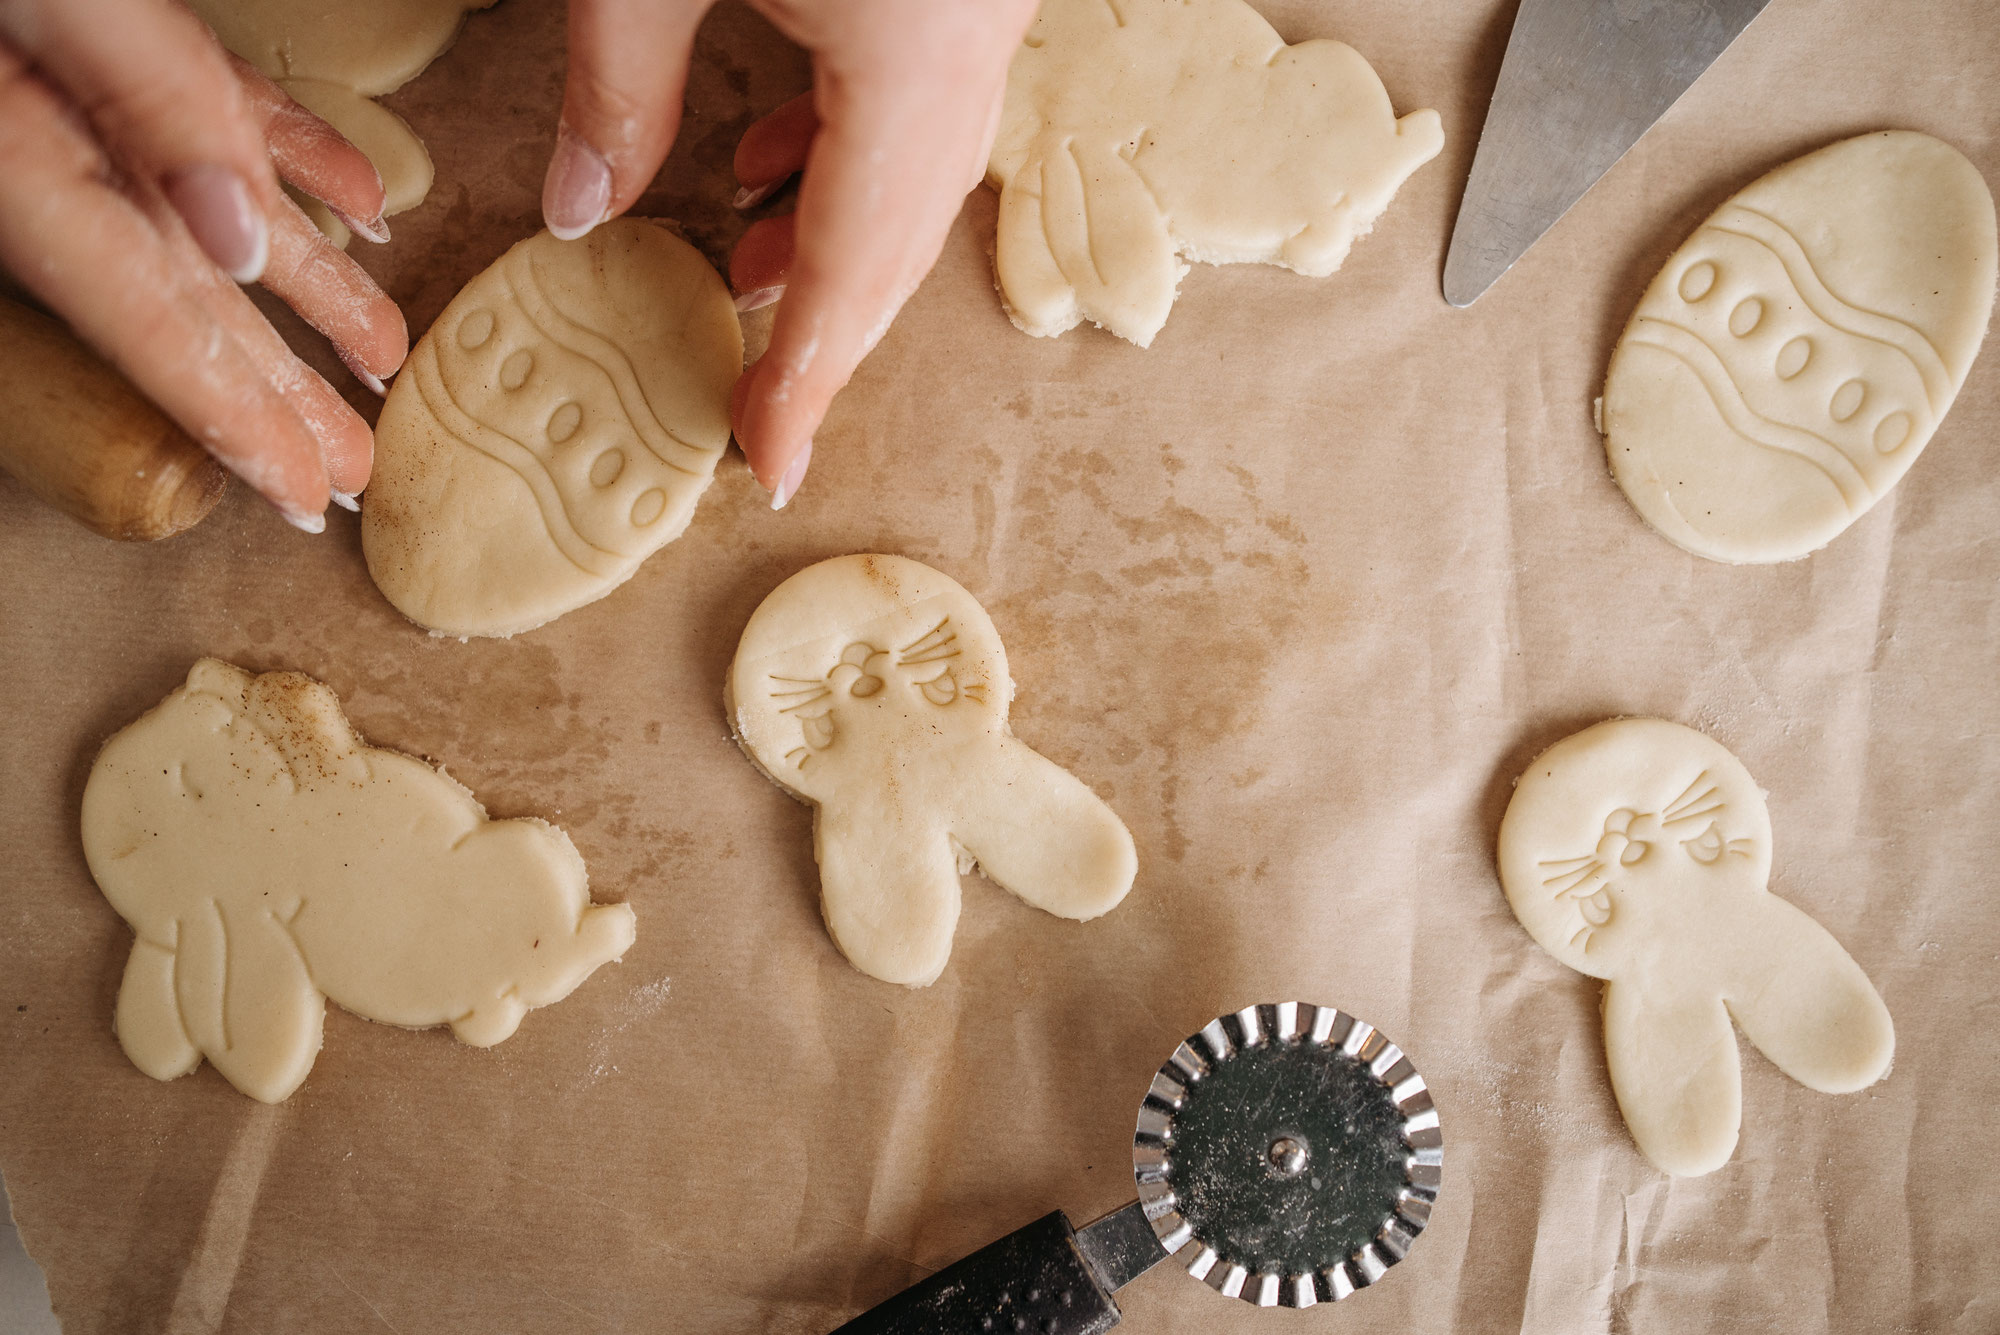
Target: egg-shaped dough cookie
(1792,359)
(552,430)
(876,689)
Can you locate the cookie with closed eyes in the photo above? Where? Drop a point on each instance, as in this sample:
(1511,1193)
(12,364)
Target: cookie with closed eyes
(875,689)
(1638,851)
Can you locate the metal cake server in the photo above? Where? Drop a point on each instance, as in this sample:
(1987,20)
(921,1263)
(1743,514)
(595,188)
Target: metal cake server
(1286,1155)
(1581,81)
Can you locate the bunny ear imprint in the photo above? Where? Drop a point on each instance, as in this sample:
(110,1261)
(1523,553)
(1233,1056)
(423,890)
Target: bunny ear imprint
(876,689)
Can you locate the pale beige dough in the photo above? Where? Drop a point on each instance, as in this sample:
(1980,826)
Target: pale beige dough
(876,689)
(552,430)
(1639,851)
(332,58)
(1792,359)
(268,859)
(1136,132)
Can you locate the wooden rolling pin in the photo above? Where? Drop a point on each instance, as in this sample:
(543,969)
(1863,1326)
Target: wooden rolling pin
(79,436)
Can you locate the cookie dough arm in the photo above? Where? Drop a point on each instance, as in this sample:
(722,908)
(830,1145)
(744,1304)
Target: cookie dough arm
(1808,1006)
(1676,1072)
(1041,833)
(889,890)
(148,1020)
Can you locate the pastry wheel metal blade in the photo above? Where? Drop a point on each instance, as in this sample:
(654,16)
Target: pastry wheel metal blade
(1581,81)
(1286,1154)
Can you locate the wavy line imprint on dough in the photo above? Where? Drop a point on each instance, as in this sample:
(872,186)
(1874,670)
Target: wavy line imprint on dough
(1687,347)
(469,431)
(609,358)
(1829,306)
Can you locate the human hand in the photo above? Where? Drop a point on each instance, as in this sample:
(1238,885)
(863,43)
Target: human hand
(896,130)
(137,181)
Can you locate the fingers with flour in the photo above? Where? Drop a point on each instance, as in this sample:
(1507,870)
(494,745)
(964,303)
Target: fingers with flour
(101,261)
(312,155)
(628,67)
(158,90)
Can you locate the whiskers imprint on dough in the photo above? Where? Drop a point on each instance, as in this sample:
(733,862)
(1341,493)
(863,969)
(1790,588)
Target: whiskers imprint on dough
(814,689)
(1694,802)
(938,643)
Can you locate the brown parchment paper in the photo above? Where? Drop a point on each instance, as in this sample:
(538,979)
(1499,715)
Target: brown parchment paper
(1299,590)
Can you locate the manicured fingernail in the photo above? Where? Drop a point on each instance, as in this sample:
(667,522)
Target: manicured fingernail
(576,194)
(224,219)
(363,374)
(376,229)
(750,196)
(344,501)
(788,485)
(757,298)
(305,523)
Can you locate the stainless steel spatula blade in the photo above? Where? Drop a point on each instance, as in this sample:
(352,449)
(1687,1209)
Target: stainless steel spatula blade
(1581,81)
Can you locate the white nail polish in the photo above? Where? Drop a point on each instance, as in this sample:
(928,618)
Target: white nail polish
(750,196)
(305,523)
(344,500)
(376,231)
(795,473)
(757,298)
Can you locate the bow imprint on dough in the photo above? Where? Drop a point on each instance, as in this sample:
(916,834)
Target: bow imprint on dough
(268,859)
(876,689)
(1671,907)
(1138,132)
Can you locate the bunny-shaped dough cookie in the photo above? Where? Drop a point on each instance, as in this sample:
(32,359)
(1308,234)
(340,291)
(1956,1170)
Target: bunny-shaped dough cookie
(1638,851)
(1138,131)
(269,859)
(875,688)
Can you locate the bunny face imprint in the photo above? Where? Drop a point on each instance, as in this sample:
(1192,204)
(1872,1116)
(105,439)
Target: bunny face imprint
(267,860)
(1135,132)
(876,689)
(1638,851)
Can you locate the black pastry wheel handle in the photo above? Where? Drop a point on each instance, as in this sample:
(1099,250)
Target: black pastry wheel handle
(1286,1155)
(1035,1279)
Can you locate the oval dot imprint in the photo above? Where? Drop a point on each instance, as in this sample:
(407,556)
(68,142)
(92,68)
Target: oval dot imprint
(1698,281)
(1847,401)
(475,329)
(564,421)
(1891,432)
(1749,313)
(1792,358)
(604,469)
(514,371)
(650,506)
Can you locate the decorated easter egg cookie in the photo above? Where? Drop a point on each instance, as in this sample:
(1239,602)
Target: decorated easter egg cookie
(1795,355)
(553,429)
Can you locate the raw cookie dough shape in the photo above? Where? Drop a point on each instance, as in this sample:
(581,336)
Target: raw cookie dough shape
(1792,359)
(332,58)
(1638,851)
(268,859)
(1139,131)
(876,689)
(552,430)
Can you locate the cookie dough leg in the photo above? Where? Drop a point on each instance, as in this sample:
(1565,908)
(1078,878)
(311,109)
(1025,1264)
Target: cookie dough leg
(247,1000)
(149,1019)
(1675,1070)
(1808,1006)
(1041,833)
(889,890)
(490,1022)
